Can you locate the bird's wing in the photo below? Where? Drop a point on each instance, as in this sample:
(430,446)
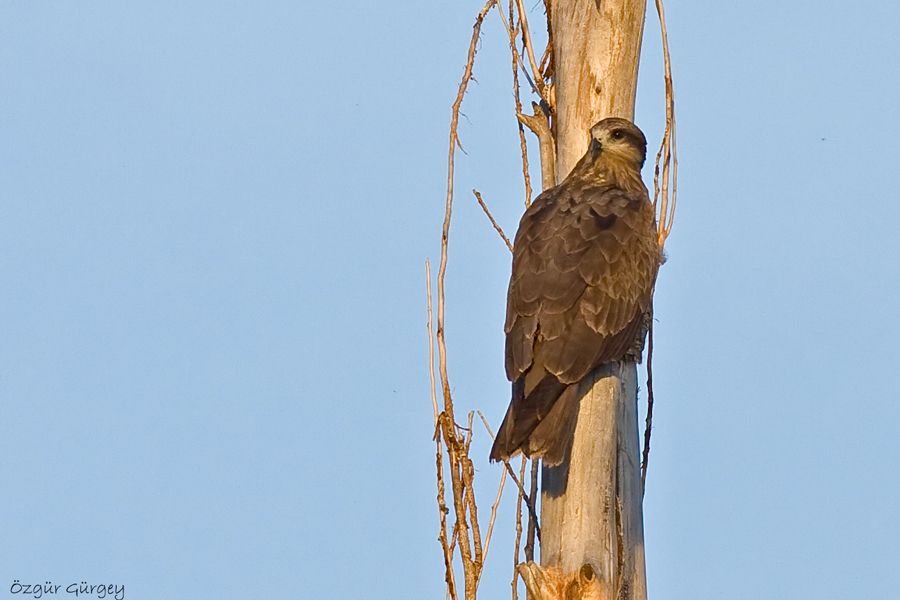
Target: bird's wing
(584,263)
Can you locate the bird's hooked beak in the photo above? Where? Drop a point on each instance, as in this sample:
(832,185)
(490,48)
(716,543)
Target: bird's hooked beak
(596,147)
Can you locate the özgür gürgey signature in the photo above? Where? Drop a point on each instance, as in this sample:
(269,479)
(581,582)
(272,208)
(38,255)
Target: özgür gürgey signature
(79,589)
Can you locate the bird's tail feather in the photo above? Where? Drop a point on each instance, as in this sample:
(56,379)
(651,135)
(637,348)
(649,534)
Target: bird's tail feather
(538,423)
(553,435)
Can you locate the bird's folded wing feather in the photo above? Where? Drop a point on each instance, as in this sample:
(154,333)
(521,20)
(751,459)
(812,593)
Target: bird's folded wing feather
(584,263)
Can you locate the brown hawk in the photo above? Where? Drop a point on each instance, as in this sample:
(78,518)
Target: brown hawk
(584,265)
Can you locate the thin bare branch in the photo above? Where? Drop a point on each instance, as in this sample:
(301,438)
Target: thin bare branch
(461,471)
(529,50)
(449,577)
(439,463)
(512,29)
(532,517)
(448,209)
(461,504)
(667,157)
(494,506)
(453,540)
(468,478)
(648,423)
(492,220)
(515,579)
(447,421)
(547,63)
(664,203)
(519,481)
(517,97)
(539,124)
(430,330)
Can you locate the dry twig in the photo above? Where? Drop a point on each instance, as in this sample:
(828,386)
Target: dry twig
(429,326)
(667,157)
(442,512)
(468,478)
(539,124)
(512,28)
(532,516)
(439,462)
(547,62)
(448,209)
(648,423)
(515,587)
(516,61)
(460,466)
(494,506)
(529,50)
(664,204)
(519,481)
(492,220)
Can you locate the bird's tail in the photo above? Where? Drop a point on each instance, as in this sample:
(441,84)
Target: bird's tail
(538,424)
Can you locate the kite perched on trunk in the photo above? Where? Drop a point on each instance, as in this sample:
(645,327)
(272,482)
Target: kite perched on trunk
(584,265)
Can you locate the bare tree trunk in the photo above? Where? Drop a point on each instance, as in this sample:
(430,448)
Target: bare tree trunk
(595,53)
(591,505)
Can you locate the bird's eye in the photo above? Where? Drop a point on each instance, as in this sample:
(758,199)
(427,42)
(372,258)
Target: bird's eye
(618,134)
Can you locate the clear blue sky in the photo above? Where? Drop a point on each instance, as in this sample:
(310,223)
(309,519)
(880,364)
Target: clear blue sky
(213,222)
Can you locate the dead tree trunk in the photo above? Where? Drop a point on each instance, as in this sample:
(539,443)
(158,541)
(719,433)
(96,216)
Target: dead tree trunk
(591,505)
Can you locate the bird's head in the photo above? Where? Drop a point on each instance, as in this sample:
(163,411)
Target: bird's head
(620,139)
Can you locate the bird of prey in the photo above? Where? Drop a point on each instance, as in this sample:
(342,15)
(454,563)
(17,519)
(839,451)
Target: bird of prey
(585,260)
